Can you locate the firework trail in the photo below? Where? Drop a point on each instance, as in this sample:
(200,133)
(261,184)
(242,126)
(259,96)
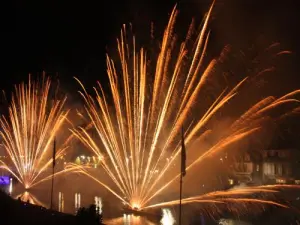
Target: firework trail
(238,201)
(28,132)
(229,195)
(139,124)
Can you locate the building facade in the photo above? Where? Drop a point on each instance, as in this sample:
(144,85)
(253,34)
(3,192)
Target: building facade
(268,167)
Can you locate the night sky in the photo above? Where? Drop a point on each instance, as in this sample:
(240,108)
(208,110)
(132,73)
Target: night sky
(71,37)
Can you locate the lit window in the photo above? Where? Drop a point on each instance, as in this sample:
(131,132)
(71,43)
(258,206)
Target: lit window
(257,167)
(280,181)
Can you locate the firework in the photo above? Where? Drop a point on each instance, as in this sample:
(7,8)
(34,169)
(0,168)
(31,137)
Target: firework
(30,198)
(28,132)
(139,124)
(243,200)
(227,196)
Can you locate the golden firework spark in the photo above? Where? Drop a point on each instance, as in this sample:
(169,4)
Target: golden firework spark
(241,200)
(141,124)
(29,197)
(28,132)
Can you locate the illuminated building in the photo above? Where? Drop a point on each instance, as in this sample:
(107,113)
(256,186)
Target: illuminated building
(6,184)
(270,167)
(92,161)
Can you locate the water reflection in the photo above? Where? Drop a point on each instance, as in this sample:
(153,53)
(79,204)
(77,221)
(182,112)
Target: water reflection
(167,219)
(61,201)
(129,220)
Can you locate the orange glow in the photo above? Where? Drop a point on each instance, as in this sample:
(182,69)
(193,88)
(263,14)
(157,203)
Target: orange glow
(136,206)
(138,121)
(28,132)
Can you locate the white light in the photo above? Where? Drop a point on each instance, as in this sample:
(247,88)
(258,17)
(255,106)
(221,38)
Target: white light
(10,185)
(60,202)
(98,203)
(77,201)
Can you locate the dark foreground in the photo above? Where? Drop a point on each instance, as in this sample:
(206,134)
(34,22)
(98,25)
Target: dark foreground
(13,212)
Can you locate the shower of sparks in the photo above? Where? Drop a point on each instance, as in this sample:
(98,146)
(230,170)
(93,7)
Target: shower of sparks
(167,217)
(28,132)
(30,198)
(233,195)
(237,201)
(139,129)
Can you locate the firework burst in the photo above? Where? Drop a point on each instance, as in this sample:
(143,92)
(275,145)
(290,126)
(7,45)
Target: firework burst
(28,132)
(29,197)
(139,124)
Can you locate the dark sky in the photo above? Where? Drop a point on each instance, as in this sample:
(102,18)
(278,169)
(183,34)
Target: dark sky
(70,37)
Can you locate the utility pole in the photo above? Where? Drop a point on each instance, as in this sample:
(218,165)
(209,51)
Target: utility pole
(182,171)
(53,167)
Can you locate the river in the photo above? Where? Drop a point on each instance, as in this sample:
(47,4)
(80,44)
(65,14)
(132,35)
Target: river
(69,202)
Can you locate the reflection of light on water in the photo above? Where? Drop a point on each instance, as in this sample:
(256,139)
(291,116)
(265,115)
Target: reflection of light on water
(225,222)
(232,222)
(129,220)
(167,218)
(126,219)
